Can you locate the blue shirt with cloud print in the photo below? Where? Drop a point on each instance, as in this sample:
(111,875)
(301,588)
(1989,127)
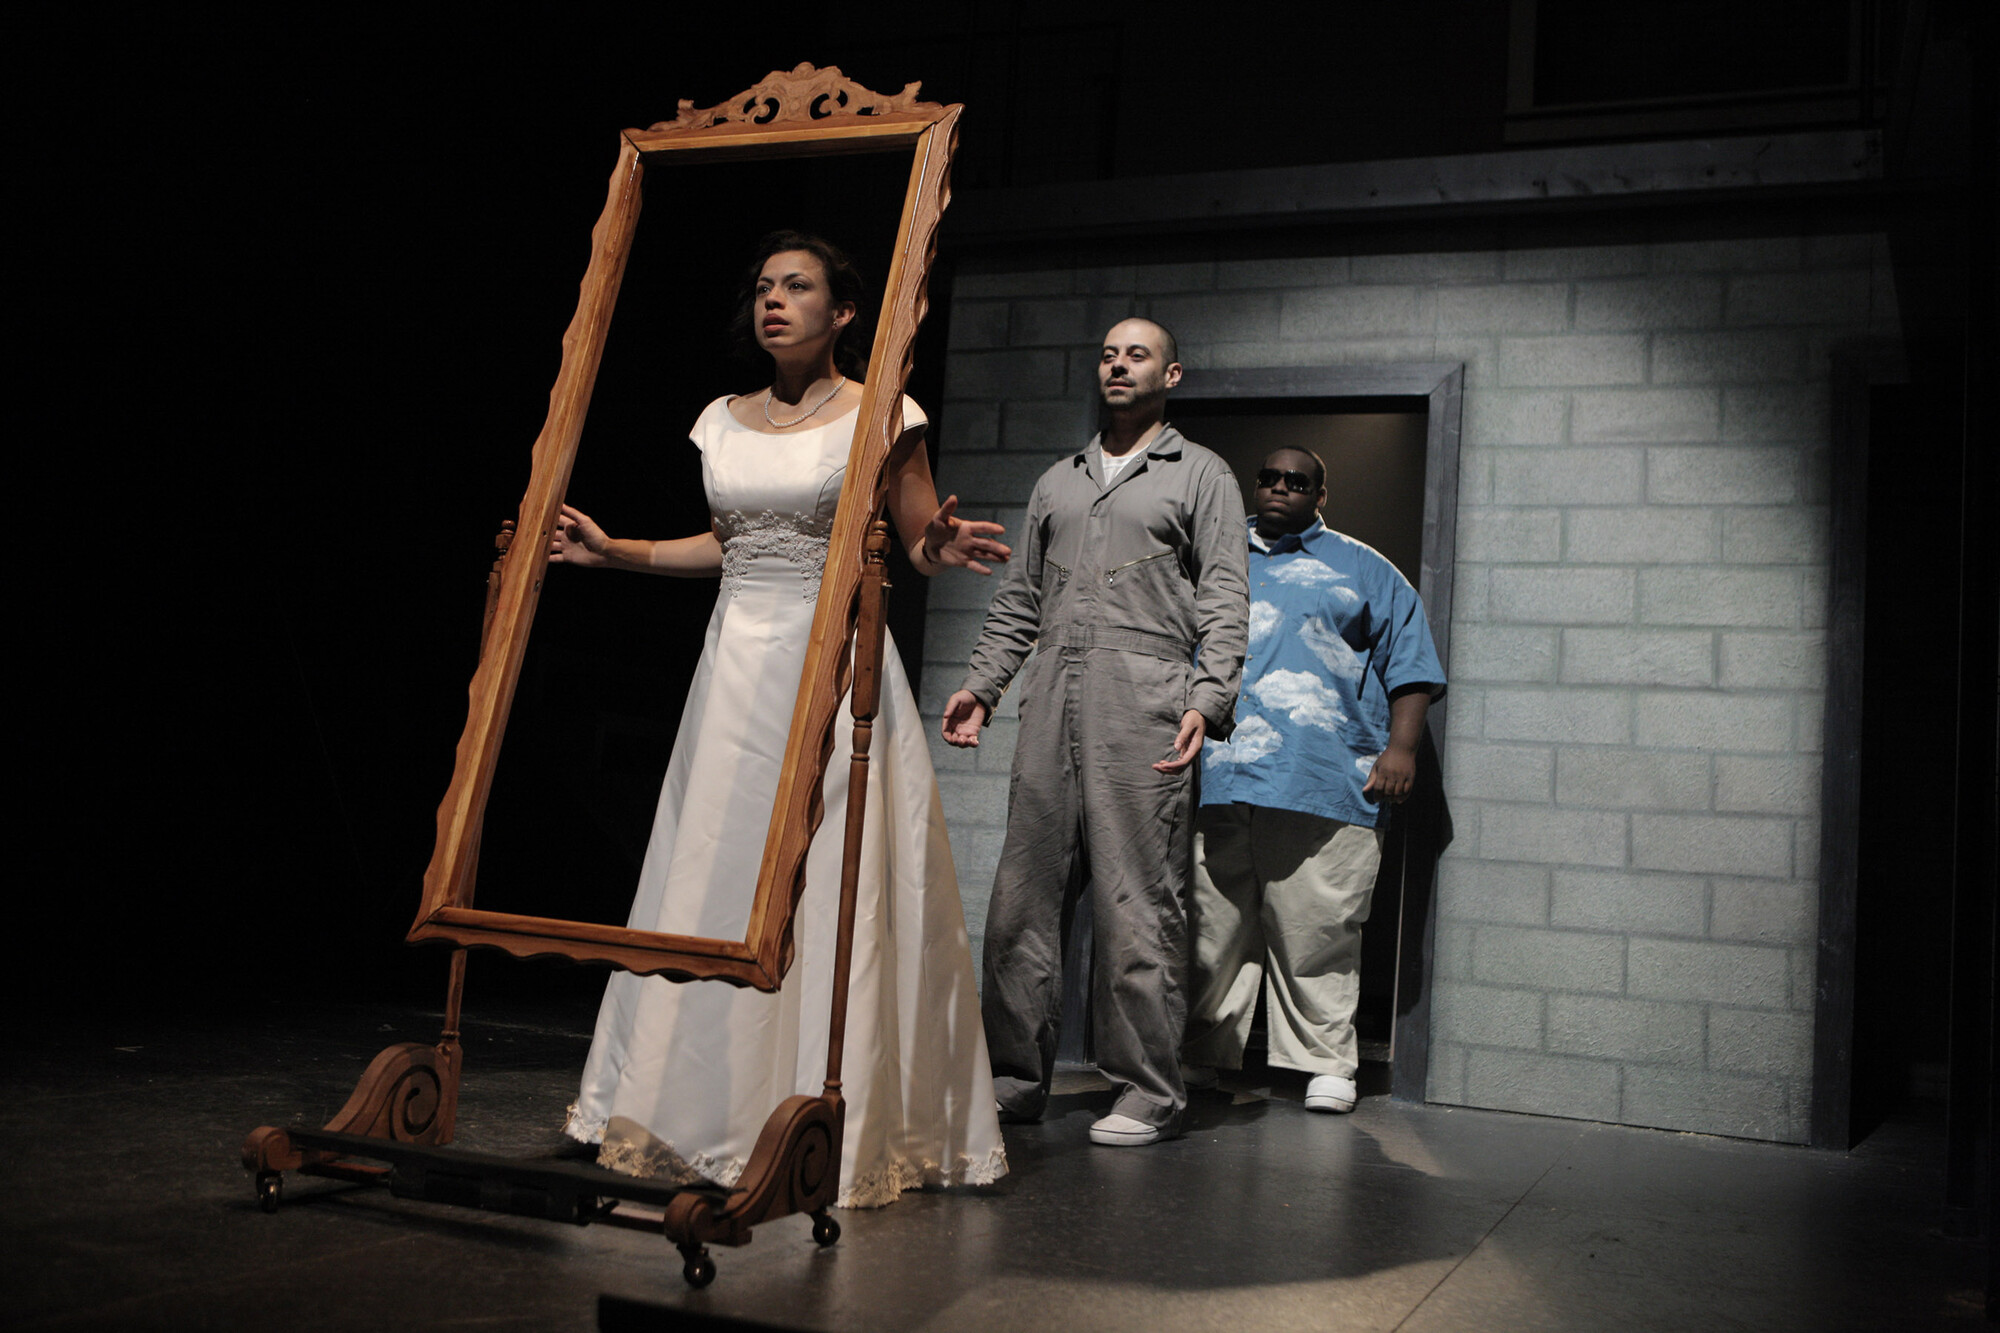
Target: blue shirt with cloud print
(1334,629)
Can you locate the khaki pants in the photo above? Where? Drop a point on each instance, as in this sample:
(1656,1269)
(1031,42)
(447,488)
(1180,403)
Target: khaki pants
(1279,898)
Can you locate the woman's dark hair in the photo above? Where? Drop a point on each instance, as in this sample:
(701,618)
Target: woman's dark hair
(851,345)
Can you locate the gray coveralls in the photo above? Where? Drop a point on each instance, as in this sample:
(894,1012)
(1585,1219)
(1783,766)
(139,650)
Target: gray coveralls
(1119,588)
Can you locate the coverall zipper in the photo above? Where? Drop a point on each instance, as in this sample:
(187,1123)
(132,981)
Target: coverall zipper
(1111,575)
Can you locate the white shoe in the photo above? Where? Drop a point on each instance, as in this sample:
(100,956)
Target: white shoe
(1330,1092)
(1122,1131)
(1199,1076)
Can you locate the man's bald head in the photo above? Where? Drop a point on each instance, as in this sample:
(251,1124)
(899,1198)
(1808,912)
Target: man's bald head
(1151,333)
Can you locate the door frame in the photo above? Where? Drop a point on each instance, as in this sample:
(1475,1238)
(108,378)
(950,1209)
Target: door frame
(1442,385)
(1856,371)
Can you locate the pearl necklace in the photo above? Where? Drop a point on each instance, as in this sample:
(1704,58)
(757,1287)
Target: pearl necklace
(781,425)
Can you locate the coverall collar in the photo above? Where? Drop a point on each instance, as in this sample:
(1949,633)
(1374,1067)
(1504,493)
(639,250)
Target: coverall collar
(1167,444)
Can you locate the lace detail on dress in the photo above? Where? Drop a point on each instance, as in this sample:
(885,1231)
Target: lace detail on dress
(791,537)
(631,1150)
(582,1128)
(659,1162)
(880,1188)
(984,1172)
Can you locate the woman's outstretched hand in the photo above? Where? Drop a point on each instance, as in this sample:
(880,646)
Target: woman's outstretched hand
(950,540)
(577,540)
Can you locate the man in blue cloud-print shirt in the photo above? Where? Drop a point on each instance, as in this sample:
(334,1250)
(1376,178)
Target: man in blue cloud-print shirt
(1339,675)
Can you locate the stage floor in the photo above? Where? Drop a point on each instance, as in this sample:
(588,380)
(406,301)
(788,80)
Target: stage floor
(127,1209)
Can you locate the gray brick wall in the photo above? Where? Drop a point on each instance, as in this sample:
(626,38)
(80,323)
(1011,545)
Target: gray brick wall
(1625,924)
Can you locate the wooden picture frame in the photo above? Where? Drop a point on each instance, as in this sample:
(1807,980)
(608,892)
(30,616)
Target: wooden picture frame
(806,112)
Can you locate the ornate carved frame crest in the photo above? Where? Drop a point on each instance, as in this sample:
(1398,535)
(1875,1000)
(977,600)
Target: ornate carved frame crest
(802,113)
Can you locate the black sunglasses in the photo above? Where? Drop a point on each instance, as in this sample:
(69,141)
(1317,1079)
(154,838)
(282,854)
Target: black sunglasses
(1296,482)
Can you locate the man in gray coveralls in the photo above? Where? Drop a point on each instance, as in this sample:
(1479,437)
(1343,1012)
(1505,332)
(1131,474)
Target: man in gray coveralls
(1131,579)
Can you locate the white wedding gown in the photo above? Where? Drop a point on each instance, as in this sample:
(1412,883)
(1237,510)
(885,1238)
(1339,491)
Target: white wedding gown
(681,1077)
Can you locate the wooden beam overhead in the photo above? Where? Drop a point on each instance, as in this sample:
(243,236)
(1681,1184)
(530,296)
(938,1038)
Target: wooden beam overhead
(1836,161)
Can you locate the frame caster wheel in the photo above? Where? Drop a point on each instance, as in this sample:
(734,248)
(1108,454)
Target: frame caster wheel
(270,1189)
(697,1266)
(825,1230)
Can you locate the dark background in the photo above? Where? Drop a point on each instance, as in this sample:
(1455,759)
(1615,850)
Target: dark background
(290,291)
(297,286)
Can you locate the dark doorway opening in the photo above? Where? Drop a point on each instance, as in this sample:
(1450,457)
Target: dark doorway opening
(1904,862)
(1374,453)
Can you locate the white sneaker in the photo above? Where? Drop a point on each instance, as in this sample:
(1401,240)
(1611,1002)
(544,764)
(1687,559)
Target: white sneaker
(1330,1092)
(1122,1131)
(1199,1076)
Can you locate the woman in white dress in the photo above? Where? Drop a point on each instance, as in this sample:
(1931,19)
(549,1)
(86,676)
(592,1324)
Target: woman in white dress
(681,1077)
